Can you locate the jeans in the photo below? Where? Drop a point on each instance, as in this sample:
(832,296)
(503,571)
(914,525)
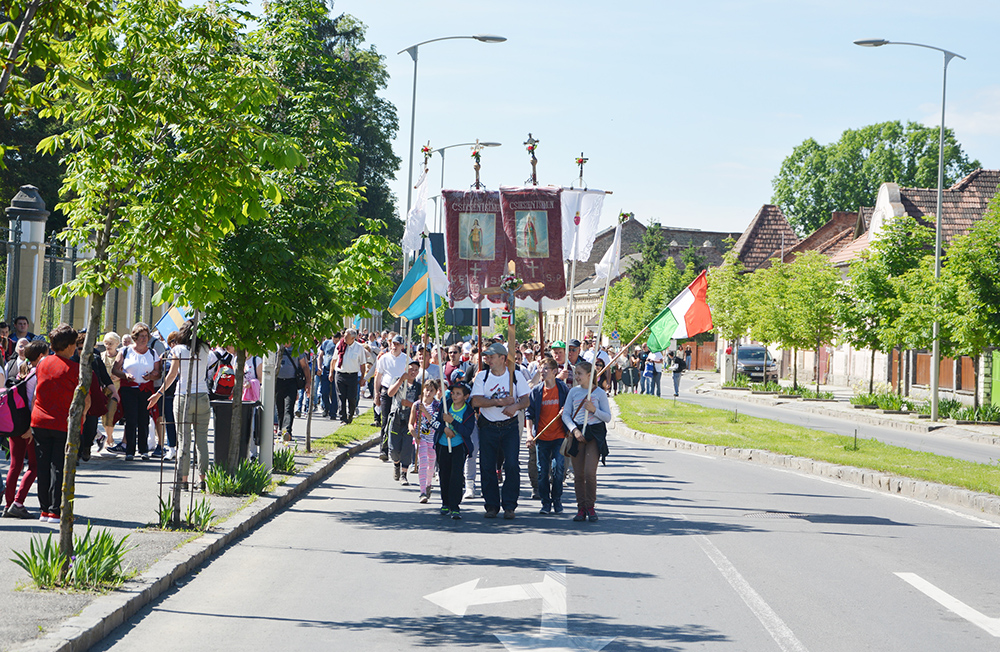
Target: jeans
(655,384)
(551,471)
(327,393)
(347,388)
(493,441)
(644,385)
(677,383)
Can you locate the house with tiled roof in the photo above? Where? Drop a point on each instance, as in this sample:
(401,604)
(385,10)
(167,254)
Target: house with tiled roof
(840,230)
(768,232)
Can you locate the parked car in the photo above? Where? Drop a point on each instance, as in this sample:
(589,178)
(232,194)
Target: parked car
(756,363)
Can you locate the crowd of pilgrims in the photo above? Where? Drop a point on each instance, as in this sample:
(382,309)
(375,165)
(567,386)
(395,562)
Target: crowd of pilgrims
(448,412)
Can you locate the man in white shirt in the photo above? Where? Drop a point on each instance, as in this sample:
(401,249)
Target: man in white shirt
(601,355)
(349,364)
(388,369)
(498,429)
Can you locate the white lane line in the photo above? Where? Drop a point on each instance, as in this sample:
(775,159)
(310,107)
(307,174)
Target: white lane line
(774,625)
(951,603)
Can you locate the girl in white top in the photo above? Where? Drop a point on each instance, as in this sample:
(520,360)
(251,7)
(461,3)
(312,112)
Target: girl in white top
(586,449)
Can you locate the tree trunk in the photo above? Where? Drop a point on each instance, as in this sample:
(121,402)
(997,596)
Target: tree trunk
(795,367)
(74,426)
(899,371)
(816,367)
(236,424)
(975,382)
(15,47)
(871,375)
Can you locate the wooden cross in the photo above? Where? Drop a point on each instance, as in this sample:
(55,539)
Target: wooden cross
(531,145)
(511,289)
(581,161)
(476,153)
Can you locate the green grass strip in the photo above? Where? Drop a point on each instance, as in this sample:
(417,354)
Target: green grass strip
(716,428)
(345,435)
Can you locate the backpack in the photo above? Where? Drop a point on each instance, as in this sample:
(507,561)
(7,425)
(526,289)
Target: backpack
(223,378)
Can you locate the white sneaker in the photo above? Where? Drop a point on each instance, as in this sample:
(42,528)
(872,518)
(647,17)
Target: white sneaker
(470,491)
(170,454)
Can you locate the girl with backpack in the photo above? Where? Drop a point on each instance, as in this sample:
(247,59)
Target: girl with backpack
(425,426)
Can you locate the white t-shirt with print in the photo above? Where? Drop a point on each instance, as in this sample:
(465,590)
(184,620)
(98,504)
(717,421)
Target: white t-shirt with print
(489,386)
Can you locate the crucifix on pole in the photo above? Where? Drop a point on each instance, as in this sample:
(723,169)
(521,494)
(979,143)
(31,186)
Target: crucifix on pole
(581,161)
(509,286)
(532,144)
(476,154)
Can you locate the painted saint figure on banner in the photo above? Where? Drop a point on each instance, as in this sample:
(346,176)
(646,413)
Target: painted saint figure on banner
(532,234)
(477,234)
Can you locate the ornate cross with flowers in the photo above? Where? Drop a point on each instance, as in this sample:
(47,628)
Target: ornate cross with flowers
(477,150)
(427,151)
(581,161)
(531,145)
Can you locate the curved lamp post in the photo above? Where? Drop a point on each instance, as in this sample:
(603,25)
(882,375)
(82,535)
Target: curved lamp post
(936,351)
(412,50)
(440,150)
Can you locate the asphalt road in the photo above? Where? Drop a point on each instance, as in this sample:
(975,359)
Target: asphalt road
(691,552)
(932,442)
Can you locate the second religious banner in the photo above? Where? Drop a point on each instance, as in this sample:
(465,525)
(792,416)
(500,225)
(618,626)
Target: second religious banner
(532,222)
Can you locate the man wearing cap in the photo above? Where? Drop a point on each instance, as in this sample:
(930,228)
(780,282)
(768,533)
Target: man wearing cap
(348,368)
(389,368)
(498,430)
(565,370)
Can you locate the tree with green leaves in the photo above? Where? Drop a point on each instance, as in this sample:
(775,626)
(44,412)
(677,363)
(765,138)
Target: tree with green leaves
(770,319)
(815,180)
(313,260)
(624,313)
(164,157)
(864,306)
(727,297)
(811,296)
(652,247)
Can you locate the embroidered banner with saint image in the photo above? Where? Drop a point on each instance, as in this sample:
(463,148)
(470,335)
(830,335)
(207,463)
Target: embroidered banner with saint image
(532,222)
(476,244)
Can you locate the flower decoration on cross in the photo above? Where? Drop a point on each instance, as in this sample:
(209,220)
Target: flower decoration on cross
(625,217)
(426,150)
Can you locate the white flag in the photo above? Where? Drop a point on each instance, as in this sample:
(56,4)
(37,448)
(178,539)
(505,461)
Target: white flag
(610,265)
(438,279)
(416,221)
(581,209)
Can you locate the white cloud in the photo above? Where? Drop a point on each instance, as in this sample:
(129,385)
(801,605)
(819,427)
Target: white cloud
(976,116)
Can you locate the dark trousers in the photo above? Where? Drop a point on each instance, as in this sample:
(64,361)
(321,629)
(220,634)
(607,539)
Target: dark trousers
(285,391)
(451,472)
(328,393)
(493,442)
(385,403)
(168,419)
(89,433)
(347,388)
(50,451)
(136,419)
(551,469)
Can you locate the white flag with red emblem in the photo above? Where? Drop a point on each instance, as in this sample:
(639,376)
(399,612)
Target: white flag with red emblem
(581,211)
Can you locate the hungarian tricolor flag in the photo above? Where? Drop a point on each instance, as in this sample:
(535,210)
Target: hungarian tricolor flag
(686,316)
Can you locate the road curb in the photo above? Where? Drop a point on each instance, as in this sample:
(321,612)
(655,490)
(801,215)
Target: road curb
(103,615)
(921,490)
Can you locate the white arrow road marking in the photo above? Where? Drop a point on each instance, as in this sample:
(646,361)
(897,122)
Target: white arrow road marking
(552,635)
(951,603)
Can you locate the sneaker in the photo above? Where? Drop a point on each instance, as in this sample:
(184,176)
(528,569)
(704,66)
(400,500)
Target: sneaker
(171,454)
(157,452)
(557,508)
(383,457)
(456,515)
(592,515)
(403,481)
(201,486)
(470,492)
(117,448)
(286,437)
(445,510)
(423,498)
(84,455)
(491,512)
(395,472)
(508,514)
(17,511)
(129,458)
(545,510)
(581,516)
(298,414)
(534,495)
(99,442)
(48,517)
(145,457)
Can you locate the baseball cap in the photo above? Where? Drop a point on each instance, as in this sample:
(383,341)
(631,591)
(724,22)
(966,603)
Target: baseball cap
(575,343)
(398,339)
(496,349)
(558,344)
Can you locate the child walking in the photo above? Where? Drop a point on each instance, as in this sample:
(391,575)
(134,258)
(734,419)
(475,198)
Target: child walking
(586,449)
(425,426)
(458,421)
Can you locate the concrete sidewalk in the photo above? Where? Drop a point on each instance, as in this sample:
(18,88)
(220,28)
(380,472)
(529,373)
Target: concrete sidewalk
(123,497)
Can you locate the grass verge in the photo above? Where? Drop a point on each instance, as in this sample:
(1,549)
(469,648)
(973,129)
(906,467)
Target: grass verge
(344,435)
(716,428)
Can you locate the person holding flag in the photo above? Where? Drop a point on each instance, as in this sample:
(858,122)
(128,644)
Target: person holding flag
(585,416)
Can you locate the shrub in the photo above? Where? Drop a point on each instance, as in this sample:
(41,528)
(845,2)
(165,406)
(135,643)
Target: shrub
(43,561)
(200,516)
(808,392)
(739,380)
(864,399)
(97,563)
(250,478)
(769,386)
(284,460)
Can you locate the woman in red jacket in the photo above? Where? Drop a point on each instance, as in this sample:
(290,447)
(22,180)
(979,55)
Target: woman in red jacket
(57,376)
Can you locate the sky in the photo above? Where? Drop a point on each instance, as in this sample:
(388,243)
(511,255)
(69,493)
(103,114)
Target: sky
(685,110)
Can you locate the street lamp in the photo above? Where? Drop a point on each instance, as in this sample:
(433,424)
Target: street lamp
(936,351)
(412,50)
(440,150)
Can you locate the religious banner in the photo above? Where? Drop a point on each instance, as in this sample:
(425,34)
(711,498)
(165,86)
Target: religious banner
(476,244)
(532,223)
